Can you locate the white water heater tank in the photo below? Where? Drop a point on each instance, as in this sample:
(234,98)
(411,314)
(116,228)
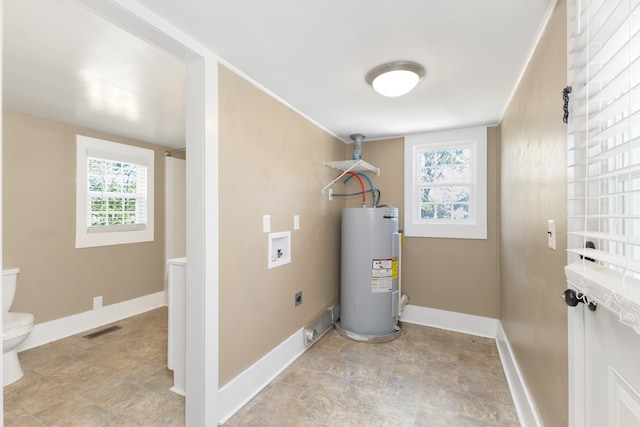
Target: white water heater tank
(369,294)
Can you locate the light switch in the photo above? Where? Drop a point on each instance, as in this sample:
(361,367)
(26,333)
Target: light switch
(266,223)
(551,234)
(296,222)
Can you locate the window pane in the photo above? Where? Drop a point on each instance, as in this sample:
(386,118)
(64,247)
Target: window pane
(460,211)
(444,202)
(115,204)
(443,211)
(129,178)
(453,194)
(130,205)
(98,219)
(427,210)
(98,204)
(440,166)
(129,218)
(95,172)
(114,177)
(427,194)
(114,218)
(444,194)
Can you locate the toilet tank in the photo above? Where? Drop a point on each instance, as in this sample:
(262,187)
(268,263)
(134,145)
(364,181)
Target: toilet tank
(9,281)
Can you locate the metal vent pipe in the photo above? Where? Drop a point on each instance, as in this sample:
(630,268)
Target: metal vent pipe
(357,145)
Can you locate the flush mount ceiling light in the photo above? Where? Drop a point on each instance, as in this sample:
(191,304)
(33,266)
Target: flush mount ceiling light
(395,78)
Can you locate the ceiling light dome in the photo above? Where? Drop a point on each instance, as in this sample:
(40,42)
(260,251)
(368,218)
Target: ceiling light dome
(395,78)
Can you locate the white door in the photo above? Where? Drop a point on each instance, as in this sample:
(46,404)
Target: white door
(605,371)
(603,210)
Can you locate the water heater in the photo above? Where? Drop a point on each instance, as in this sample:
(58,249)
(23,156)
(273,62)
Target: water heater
(369,294)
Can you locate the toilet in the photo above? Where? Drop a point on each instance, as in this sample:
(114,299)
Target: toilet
(15,328)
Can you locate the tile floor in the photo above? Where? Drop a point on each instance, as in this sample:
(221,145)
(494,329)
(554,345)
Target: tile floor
(427,377)
(117,379)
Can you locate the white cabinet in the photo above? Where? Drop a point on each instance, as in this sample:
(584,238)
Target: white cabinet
(176,295)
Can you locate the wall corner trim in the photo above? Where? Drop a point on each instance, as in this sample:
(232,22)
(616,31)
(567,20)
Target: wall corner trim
(449,320)
(525,407)
(235,394)
(53,330)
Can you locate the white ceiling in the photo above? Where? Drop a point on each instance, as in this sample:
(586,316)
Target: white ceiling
(63,63)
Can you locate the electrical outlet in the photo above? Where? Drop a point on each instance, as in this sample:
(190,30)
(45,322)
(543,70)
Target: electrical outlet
(298,298)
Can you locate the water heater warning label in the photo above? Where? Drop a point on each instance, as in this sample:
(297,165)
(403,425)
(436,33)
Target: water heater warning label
(383,271)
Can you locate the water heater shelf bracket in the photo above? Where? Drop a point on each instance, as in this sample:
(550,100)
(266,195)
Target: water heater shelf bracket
(346,166)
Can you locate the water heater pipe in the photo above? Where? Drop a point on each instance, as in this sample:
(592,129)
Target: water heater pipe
(364,193)
(357,146)
(404,300)
(373,189)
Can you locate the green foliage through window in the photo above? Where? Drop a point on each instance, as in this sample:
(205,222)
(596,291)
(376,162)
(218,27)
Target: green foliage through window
(444,181)
(116,192)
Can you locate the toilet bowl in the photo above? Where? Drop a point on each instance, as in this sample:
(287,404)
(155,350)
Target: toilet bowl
(15,329)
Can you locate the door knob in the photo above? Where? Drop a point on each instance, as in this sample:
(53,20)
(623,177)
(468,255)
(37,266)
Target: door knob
(572,299)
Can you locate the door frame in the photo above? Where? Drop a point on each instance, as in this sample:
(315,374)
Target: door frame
(201,404)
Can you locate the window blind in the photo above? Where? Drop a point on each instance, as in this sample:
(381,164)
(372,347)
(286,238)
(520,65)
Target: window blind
(117,195)
(604,154)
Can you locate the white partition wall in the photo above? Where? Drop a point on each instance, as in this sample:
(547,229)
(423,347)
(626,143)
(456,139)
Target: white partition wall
(175,210)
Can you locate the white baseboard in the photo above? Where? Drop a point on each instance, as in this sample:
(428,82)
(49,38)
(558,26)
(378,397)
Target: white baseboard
(245,386)
(521,398)
(449,320)
(53,330)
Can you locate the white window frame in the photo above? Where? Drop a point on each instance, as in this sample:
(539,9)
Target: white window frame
(476,226)
(120,234)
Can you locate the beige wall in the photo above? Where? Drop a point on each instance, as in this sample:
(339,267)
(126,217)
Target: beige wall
(533,190)
(457,275)
(271,164)
(56,279)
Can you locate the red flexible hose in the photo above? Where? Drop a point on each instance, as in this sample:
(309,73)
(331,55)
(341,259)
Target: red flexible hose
(364,194)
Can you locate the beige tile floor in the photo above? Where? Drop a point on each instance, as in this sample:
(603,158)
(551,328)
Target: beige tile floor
(117,379)
(427,377)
